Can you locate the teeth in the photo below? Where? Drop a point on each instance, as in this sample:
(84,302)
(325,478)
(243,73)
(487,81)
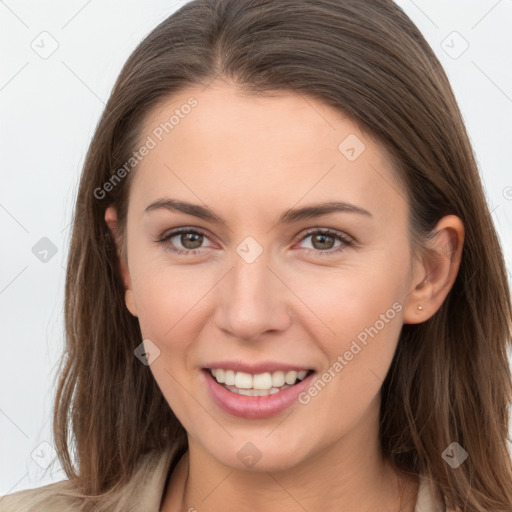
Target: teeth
(242,380)
(252,384)
(278,379)
(229,378)
(290,378)
(256,392)
(262,381)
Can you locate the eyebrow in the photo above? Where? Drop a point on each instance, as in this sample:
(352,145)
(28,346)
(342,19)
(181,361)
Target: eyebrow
(289,216)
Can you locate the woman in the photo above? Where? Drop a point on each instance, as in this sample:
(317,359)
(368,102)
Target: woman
(284,289)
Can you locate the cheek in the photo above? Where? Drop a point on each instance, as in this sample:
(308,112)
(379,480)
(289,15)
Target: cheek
(365,315)
(168,305)
(360,309)
(171,302)
(348,302)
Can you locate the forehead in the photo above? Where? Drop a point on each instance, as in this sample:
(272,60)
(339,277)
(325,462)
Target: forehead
(220,144)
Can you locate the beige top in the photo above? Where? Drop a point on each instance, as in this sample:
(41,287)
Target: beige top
(144,492)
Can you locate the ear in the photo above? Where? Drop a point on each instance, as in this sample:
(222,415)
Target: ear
(435,274)
(111,220)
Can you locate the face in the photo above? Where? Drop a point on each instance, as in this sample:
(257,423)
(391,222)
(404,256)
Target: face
(264,283)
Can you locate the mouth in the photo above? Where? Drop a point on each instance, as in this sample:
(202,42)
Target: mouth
(261,384)
(256,395)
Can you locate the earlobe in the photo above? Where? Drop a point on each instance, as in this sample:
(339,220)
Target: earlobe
(434,276)
(111,220)
(130,302)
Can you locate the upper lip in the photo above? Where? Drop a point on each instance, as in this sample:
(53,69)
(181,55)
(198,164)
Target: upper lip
(256,368)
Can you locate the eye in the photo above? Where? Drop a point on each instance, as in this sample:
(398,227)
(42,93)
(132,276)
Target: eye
(190,239)
(323,241)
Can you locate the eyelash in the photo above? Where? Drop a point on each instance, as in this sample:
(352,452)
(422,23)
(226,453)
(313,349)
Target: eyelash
(345,241)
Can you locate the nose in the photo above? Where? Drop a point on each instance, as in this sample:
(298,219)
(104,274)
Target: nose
(253,300)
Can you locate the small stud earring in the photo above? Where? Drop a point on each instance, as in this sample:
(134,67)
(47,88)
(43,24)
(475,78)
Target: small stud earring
(420,307)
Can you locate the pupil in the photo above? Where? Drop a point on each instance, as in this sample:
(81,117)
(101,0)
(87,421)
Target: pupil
(185,239)
(322,238)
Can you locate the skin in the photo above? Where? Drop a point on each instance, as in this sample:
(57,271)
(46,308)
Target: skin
(250,159)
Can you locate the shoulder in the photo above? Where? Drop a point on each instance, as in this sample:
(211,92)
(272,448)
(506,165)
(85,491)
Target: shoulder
(143,491)
(48,498)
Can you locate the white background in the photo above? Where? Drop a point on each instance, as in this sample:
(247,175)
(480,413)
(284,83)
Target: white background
(49,109)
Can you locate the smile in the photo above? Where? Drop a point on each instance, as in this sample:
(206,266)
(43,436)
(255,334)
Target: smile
(261,384)
(255,395)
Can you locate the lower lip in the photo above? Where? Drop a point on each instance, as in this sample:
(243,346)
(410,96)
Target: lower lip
(253,407)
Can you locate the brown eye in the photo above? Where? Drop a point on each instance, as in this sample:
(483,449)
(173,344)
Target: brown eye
(322,241)
(191,240)
(326,242)
(184,241)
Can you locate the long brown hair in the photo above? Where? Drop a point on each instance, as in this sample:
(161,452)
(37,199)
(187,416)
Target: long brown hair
(450,378)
